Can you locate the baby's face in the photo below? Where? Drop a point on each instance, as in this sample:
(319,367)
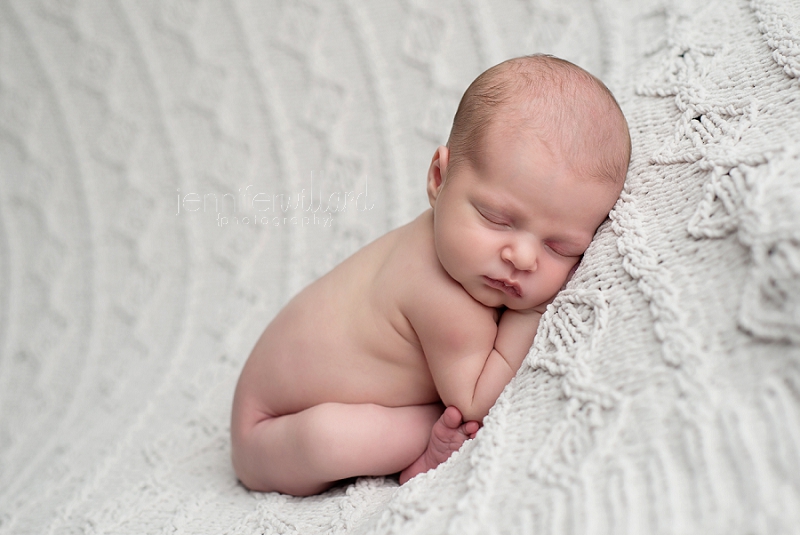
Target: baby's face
(511,228)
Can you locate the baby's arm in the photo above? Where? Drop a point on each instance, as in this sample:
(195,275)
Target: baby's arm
(512,338)
(471,358)
(515,333)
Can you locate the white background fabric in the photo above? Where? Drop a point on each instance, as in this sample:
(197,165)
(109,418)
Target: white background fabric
(662,394)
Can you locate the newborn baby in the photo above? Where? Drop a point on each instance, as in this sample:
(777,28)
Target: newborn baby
(353,376)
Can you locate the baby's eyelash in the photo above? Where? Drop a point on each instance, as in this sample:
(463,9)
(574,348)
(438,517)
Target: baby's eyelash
(491,218)
(562,252)
(554,249)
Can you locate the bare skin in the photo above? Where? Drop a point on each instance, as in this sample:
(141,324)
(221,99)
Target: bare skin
(328,391)
(352,377)
(447,436)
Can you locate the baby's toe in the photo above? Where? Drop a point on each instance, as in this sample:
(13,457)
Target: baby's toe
(470,428)
(451,417)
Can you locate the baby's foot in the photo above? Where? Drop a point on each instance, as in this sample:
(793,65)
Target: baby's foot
(447,435)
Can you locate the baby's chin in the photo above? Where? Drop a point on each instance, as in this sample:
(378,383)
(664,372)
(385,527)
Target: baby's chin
(538,308)
(511,304)
(521,306)
(490,300)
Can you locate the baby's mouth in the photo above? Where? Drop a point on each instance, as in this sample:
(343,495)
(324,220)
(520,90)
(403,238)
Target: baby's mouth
(511,288)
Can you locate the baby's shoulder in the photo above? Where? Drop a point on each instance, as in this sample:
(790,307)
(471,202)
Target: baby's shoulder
(414,265)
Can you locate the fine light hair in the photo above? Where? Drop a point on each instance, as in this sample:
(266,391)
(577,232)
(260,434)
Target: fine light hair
(571,111)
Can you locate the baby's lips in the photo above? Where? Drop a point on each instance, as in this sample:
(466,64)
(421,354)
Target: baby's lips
(501,284)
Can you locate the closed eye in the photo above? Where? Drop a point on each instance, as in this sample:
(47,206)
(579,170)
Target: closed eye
(562,252)
(491,218)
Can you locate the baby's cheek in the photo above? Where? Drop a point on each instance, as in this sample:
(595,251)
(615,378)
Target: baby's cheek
(572,271)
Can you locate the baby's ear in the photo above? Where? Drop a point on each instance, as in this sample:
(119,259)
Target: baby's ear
(437,172)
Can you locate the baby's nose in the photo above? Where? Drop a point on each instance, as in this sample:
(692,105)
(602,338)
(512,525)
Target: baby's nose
(521,254)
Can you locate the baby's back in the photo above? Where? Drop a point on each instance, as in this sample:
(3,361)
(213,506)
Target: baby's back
(345,338)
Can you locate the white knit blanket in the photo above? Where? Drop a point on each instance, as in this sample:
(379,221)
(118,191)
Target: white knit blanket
(662,394)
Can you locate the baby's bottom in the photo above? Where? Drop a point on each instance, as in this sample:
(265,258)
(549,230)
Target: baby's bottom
(307,452)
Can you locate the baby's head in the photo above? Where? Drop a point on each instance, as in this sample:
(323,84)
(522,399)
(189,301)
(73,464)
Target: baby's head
(536,159)
(569,110)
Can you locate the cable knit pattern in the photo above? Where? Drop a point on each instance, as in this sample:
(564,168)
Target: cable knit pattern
(172,172)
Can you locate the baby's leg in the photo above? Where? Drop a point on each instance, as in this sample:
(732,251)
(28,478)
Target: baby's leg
(305,453)
(447,436)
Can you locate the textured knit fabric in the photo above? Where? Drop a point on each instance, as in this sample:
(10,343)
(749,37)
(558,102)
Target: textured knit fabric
(172,172)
